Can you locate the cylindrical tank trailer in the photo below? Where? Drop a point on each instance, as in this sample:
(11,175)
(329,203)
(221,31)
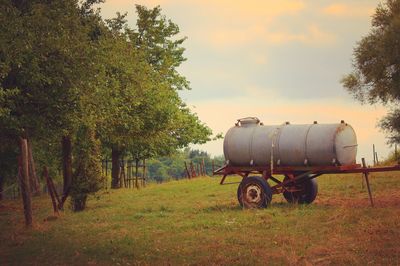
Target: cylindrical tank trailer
(298,152)
(250,143)
(288,158)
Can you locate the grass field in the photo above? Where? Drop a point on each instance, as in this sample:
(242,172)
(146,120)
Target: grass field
(200,222)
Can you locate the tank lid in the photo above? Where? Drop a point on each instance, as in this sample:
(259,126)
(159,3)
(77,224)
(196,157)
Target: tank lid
(248,121)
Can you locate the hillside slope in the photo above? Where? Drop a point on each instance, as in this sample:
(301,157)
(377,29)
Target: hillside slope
(200,222)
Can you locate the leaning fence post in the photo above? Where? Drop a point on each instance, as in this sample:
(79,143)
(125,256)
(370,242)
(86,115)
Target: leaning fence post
(51,189)
(367,182)
(187,170)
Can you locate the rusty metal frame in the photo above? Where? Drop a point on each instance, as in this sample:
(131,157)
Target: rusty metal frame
(298,175)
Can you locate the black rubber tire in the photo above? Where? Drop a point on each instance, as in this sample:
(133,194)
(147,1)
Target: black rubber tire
(306,196)
(254,192)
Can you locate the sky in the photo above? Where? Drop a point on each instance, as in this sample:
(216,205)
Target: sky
(275,60)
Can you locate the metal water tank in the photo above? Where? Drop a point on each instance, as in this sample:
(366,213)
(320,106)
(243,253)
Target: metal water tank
(250,143)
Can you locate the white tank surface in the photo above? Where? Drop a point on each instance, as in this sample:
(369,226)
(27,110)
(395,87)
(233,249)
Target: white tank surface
(250,143)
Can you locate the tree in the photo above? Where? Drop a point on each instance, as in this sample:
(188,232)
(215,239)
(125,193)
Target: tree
(123,92)
(376,74)
(48,71)
(169,124)
(148,117)
(157,37)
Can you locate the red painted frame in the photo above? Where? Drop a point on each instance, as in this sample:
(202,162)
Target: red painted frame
(297,174)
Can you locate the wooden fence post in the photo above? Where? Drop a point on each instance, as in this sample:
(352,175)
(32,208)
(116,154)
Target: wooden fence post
(373,153)
(187,170)
(24,182)
(137,173)
(144,172)
(192,170)
(128,173)
(34,180)
(50,189)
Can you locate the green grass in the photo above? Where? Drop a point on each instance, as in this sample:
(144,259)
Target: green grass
(200,222)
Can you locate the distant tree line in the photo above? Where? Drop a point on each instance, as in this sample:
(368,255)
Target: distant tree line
(77,87)
(172,167)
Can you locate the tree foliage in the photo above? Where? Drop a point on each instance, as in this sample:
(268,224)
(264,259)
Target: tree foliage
(376,74)
(46,65)
(148,117)
(67,72)
(87,177)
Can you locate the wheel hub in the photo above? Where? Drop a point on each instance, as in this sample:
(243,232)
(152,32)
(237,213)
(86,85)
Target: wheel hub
(253,194)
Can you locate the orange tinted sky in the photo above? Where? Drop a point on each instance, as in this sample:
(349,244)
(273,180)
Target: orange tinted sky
(277,60)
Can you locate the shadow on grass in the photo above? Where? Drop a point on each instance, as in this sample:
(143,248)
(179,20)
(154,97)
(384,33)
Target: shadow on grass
(273,206)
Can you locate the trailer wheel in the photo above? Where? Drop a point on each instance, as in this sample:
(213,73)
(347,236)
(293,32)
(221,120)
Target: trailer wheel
(254,192)
(307,192)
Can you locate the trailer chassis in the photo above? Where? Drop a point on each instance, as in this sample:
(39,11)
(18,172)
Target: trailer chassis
(295,179)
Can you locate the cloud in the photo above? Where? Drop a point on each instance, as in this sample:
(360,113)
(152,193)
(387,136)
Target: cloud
(258,59)
(227,24)
(222,38)
(313,35)
(253,9)
(232,8)
(341,10)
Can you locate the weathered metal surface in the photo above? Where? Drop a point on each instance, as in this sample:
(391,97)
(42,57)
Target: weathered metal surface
(292,145)
(250,143)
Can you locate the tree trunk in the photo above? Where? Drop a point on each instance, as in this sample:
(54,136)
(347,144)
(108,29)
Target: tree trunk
(1,187)
(115,167)
(24,182)
(67,167)
(144,172)
(79,204)
(33,178)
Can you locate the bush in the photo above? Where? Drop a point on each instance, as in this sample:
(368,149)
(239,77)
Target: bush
(87,177)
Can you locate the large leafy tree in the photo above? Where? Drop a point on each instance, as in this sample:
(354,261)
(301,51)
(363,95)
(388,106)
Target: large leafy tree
(171,125)
(149,118)
(48,70)
(376,74)
(126,78)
